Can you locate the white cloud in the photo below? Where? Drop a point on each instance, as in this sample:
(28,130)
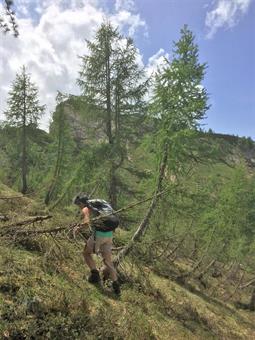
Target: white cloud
(52,35)
(127,5)
(227,14)
(157,61)
(125,19)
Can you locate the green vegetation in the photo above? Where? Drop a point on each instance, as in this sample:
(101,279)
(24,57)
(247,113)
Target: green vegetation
(23,112)
(185,255)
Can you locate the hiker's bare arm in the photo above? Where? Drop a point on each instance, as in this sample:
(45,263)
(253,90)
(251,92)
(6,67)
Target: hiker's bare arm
(86,220)
(85,223)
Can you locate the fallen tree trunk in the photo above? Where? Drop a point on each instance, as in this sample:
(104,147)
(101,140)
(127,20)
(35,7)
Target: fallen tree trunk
(6,198)
(247,284)
(28,221)
(11,230)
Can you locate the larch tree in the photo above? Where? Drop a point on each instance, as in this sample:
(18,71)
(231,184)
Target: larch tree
(113,83)
(24,111)
(178,105)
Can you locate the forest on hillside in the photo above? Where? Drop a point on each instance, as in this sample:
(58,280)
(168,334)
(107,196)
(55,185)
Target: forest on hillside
(186,197)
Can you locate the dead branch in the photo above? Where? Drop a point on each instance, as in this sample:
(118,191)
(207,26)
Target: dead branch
(30,233)
(196,266)
(26,233)
(163,251)
(205,270)
(247,284)
(6,198)
(228,274)
(172,252)
(28,221)
(235,288)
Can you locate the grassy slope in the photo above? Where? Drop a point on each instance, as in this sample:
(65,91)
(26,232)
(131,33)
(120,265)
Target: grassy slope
(44,295)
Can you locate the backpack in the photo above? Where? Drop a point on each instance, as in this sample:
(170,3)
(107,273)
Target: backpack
(102,208)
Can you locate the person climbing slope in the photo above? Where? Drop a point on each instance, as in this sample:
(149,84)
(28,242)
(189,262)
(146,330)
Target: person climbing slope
(101,237)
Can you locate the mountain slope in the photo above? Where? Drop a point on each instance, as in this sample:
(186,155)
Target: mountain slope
(44,293)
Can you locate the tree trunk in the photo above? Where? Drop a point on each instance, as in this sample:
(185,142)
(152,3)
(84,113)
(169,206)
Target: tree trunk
(24,161)
(113,187)
(112,175)
(24,145)
(117,148)
(56,174)
(108,93)
(145,222)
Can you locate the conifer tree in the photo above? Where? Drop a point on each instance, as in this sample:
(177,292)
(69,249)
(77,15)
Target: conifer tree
(112,82)
(179,103)
(24,111)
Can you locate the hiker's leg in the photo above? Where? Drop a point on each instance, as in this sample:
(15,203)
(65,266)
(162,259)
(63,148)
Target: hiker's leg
(106,251)
(88,252)
(106,272)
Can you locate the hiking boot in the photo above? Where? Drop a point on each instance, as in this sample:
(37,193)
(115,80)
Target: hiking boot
(94,276)
(116,287)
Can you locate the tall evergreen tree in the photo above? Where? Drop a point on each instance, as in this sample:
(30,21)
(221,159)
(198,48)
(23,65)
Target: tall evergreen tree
(23,112)
(179,103)
(112,82)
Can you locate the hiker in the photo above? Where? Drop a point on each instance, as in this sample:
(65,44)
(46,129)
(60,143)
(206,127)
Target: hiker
(100,240)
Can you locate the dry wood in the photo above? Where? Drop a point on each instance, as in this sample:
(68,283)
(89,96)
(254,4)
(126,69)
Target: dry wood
(248,284)
(205,270)
(229,271)
(28,221)
(10,197)
(174,251)
(196,266)
(162,251)
(235,288)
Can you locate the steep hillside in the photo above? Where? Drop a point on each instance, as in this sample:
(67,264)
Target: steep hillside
(44,293)
(191,276)
(237,147)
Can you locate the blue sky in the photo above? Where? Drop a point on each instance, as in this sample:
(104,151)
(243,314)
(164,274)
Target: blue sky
(230,55)
(52,34)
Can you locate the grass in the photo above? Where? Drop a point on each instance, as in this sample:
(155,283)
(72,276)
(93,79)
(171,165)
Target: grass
(38,302)
(44,294)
